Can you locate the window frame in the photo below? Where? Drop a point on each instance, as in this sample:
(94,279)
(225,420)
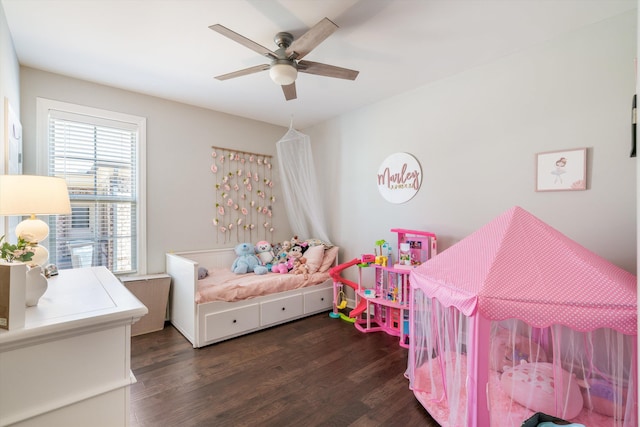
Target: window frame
(44,106)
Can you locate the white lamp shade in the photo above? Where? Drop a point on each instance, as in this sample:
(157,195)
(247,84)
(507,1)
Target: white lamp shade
(33,195)
(283,74)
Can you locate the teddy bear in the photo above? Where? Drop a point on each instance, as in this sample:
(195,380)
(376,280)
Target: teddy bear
(300,267)
(264,252)
(246,260)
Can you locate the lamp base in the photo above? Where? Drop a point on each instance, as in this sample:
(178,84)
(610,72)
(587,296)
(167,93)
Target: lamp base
(32,230)
(40,255)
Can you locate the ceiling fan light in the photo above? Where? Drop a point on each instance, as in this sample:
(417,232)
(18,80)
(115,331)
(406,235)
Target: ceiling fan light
(283,74)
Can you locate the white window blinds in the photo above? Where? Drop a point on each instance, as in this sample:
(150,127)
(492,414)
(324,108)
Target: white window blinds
(98,158)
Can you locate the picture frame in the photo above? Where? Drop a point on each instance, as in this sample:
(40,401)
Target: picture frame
(562,170)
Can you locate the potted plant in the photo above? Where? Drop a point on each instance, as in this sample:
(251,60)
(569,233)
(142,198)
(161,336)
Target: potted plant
(22,251)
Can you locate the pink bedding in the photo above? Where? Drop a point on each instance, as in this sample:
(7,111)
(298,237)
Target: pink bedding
(224,285)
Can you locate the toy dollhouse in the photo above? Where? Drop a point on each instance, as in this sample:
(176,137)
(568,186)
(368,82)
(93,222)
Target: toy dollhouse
(385,305)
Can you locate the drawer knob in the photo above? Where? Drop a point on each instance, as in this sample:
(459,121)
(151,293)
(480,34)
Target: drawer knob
(322,299)
(283,308)
(235,321)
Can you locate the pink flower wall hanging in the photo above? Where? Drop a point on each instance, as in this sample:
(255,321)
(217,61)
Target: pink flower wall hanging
(249,176)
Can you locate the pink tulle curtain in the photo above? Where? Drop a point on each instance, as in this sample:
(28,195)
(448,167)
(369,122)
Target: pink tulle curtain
(585,377)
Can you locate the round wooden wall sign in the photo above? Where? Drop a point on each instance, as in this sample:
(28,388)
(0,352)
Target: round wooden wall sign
(399,177)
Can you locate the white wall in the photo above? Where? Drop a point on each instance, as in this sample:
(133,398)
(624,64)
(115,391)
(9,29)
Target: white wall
(180,184)
(9,88)
(476,135)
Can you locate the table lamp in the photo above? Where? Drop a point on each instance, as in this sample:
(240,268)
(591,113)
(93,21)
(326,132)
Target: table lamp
(33,195)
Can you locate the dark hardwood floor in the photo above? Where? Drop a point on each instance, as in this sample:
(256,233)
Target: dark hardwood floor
(317,371)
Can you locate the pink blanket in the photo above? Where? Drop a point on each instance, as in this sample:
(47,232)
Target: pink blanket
(224,285)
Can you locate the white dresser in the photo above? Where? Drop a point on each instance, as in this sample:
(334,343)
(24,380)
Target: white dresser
(70,365)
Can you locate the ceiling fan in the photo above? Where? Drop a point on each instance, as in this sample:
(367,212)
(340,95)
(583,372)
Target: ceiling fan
(286,60)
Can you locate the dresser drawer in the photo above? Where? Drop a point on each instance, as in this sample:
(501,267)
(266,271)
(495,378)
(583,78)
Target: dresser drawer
(232,322)
(318,300)
(280,309)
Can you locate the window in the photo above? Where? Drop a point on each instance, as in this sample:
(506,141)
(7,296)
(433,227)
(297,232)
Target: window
(101,156)
(80,217)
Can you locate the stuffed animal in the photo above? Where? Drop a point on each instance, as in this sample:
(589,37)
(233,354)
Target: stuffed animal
(300,267)
(284,249)
(296,251)
(295,241)
(276,248)
(283,265)
(286,260)
(317,242)
(202,273)
(280,263)
(246,260)
(314,242)
(264,252)
(279,268)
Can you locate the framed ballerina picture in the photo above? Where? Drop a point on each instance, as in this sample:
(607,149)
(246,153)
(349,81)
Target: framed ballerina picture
(564,170)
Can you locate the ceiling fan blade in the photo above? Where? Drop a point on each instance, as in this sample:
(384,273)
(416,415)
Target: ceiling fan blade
(243,40)
(320,69)
(290,91)
(250,70)
(312,38)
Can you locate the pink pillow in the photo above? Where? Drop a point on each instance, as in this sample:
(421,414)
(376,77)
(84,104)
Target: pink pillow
(533,385)
(329,257)
(314,256)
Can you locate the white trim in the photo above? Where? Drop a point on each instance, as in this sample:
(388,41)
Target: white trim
(43,106)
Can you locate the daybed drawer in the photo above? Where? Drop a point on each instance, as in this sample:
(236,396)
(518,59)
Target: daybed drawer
(281,309)
(232,322)
(318,300)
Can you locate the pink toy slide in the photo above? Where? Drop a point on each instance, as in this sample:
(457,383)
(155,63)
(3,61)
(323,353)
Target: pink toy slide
(335,275)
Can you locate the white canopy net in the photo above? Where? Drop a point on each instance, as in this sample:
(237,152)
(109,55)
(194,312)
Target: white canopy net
(300,190)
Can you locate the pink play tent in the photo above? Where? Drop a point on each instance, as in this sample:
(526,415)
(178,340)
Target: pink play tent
(517,319)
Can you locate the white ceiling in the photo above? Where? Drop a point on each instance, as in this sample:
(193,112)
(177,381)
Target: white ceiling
(164,48)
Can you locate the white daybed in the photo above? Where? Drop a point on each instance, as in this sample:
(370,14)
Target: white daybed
(206,323)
